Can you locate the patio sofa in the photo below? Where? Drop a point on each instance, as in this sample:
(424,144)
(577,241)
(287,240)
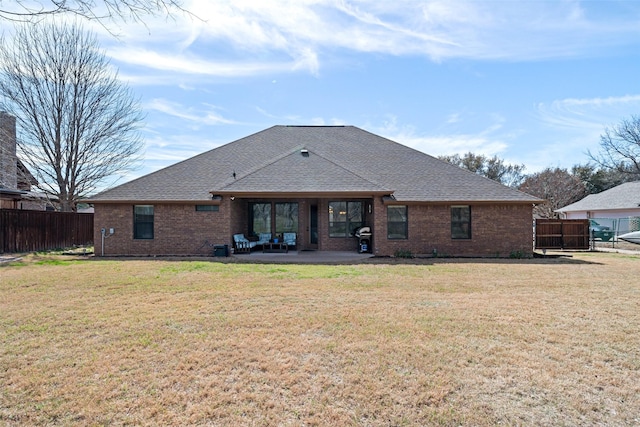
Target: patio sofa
(242,245)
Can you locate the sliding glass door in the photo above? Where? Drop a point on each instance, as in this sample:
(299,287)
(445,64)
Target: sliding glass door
(263,220)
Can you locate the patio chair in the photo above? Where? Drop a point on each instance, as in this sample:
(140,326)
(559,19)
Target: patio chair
(241,244)
(289,238)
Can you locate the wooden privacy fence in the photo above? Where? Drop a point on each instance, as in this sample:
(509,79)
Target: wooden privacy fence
(27,231)
(562,234)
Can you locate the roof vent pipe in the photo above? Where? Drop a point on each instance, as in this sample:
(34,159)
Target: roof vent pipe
(304,152)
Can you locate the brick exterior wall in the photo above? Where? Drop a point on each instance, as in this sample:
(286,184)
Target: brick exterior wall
(497,230)
(178,230)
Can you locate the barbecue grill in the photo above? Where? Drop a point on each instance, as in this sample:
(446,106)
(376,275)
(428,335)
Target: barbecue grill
(363,234)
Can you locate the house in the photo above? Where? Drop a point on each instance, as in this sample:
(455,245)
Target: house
(15,179)
(617,207)
(321,183)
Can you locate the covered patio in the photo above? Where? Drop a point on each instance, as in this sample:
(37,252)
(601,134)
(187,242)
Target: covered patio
(313,221)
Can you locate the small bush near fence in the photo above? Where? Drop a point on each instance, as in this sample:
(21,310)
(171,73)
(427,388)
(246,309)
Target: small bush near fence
(28,231)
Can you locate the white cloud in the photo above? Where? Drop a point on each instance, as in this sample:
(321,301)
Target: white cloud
(190,64)
(295,35)
(163,150)
(483,142)
(210,117)
(453,118)
(450,144)
(611,101)
(572,126)
(587,114)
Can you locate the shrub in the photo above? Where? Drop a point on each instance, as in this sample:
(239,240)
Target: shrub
(403,253)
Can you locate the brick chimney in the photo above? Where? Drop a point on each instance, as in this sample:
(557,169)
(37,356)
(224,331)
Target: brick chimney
(8,159)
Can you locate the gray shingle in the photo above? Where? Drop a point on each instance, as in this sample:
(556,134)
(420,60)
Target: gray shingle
(623,196)
(341,159)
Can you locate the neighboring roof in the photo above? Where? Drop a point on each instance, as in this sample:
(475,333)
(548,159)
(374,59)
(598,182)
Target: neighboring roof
(14,194)
(623,196)
(338,159)
(25,178)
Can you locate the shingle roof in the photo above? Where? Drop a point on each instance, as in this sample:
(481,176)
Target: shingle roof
(623,196)
(340,159)
(298,173)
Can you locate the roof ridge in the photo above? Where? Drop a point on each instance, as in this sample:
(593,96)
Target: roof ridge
(315,126)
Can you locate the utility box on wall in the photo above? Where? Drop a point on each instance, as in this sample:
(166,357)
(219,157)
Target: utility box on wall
(221,250)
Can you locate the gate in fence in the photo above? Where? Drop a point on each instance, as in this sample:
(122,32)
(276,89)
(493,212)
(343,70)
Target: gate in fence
(562,234)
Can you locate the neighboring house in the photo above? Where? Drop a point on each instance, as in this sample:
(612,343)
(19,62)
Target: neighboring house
(620,203)
(320,182)
(15,179)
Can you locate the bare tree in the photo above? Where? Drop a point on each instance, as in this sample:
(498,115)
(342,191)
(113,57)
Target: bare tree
(77,123)
(598,179)
(96,10)
(490,167)
(620,148)
(557,187)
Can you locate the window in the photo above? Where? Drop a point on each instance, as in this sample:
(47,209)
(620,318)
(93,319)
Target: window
(260,218)
(461,222)
(397,222)
(344,218)
(143,222)
(286,218)
(207,208)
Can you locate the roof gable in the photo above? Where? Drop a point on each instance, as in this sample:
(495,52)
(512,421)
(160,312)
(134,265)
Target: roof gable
(300,172)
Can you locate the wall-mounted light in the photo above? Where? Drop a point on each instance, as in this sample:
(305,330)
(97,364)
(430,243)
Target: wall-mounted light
(233,198)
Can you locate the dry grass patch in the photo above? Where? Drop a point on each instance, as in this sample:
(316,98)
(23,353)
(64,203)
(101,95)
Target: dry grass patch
(203,343)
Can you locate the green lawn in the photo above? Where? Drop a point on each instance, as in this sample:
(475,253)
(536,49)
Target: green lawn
(436,342)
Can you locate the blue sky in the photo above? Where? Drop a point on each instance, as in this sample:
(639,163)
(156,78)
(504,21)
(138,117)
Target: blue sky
(534,82)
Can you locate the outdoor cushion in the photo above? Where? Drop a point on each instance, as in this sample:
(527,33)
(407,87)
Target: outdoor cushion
(263,238)
(242,242)
(289,238)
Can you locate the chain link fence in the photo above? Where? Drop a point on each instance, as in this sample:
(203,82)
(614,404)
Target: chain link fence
(615,226)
